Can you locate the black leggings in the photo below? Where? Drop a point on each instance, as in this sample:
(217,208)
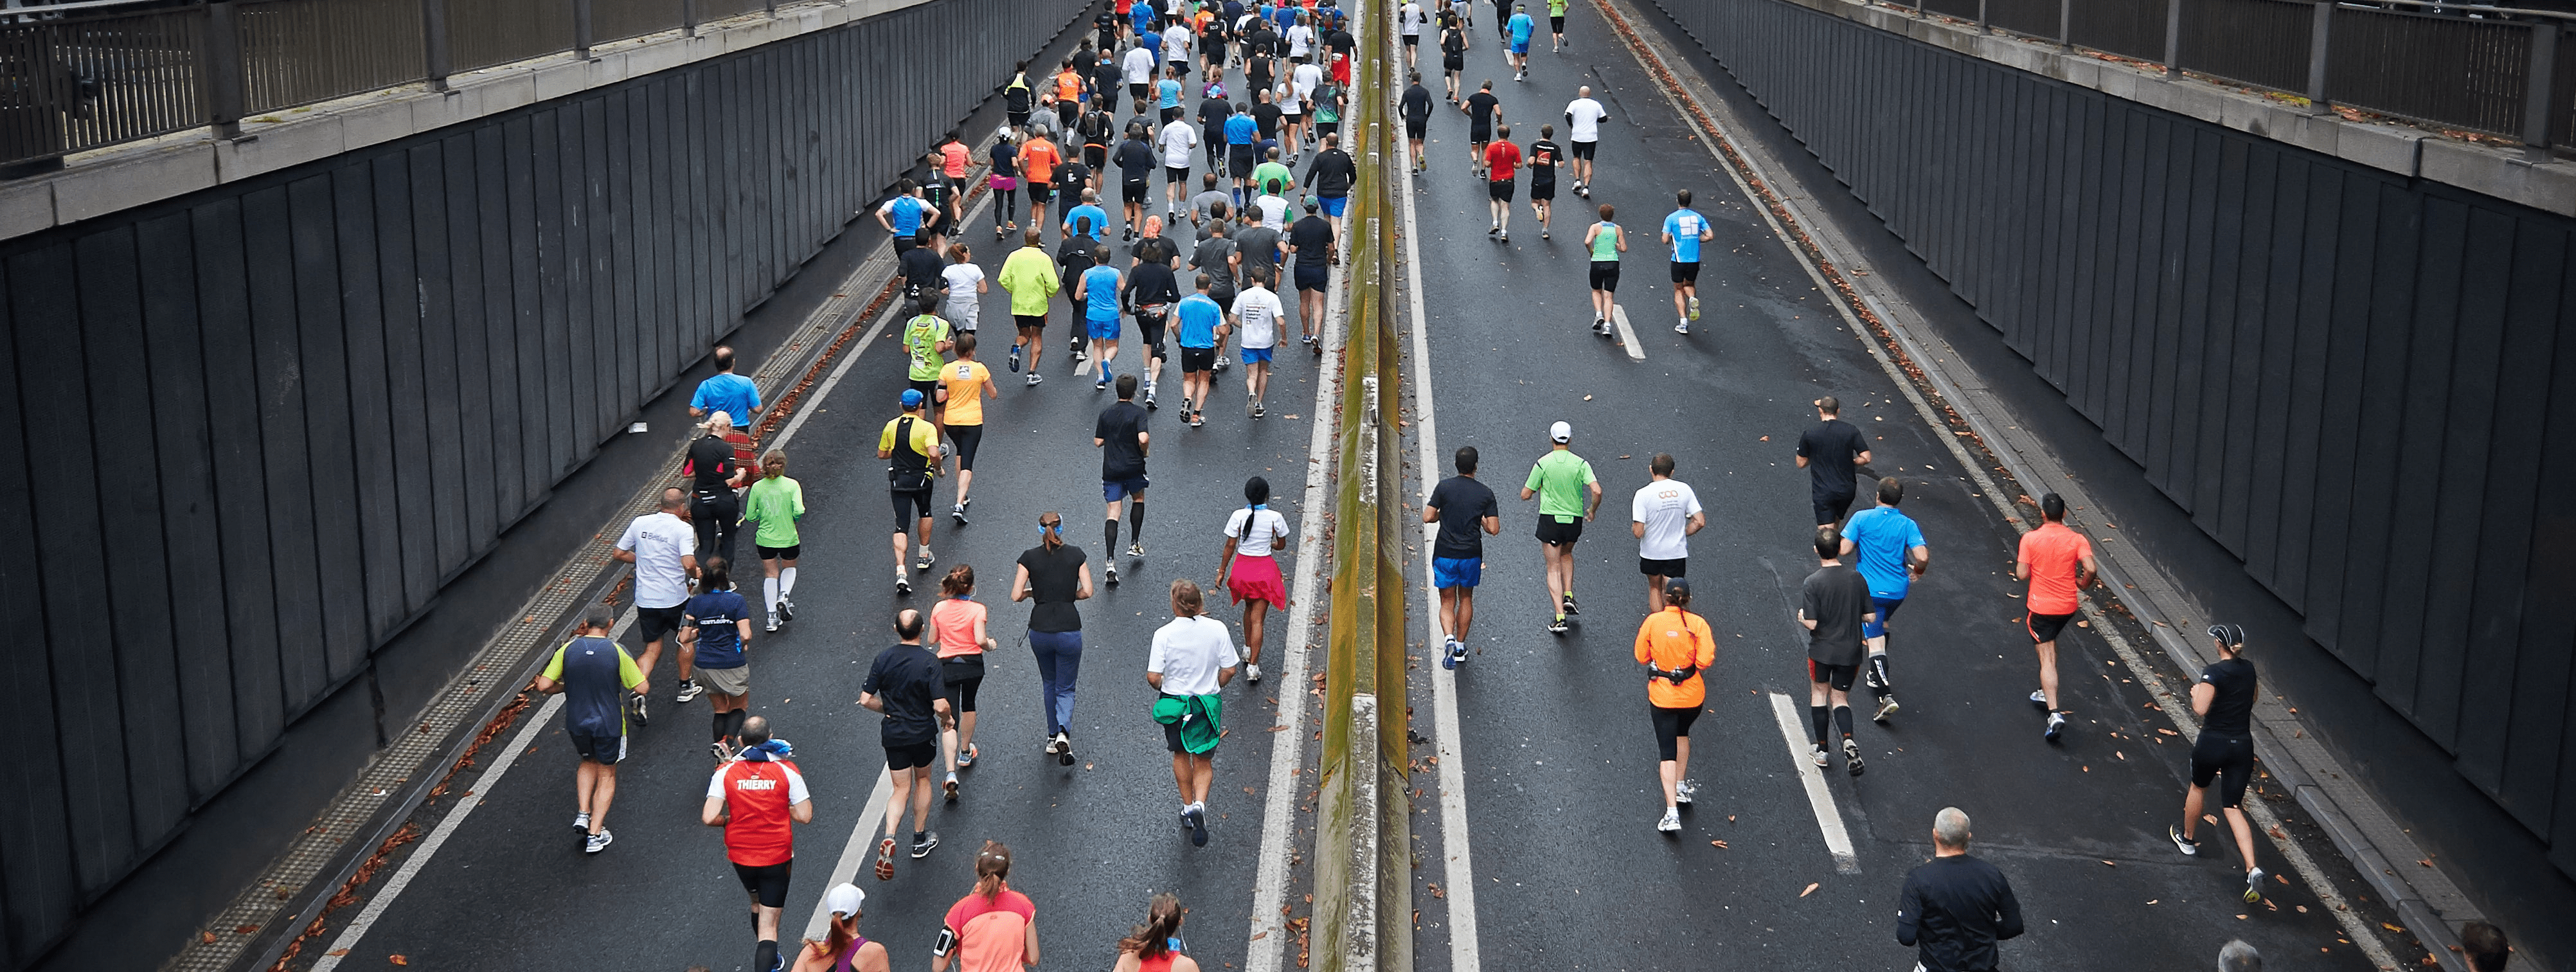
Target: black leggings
(1006,207)
(716,514)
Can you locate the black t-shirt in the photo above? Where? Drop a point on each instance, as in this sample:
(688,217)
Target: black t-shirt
(921,270)
(1260,69)
(1264,39)
(1543,156)
(1055,576)
(1332,173)
(1151,282)
(1161,250)
(1106,77)
(1073,177)
(1108,24)
(1095,128)
(1835,597)
(1830,449)
(1453,40)
(1265,116)
(1136,160)
(1417,104)
(2231,712)
(1016,97)
(1340,41)
(1212,115)
(1121,456)
(710,462)
(907,678)
(1313,238)
(1480,111)
(1464,504)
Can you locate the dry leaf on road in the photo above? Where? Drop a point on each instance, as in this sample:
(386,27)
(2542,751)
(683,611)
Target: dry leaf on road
(1811,889)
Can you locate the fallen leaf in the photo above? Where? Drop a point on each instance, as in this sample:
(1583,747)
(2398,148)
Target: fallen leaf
(1719,844)
(2151,900)
(206,937)
(1811,889)
(244,929)
(2393,928)
(2283,878)
(1587,398)
(1437,893)
(1260,936)
(337,952)
(397,960)
(2169,732)
(2110,863)
(1766,438)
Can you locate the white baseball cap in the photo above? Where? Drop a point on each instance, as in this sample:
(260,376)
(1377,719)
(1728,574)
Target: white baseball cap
(1560,432)
(844,899)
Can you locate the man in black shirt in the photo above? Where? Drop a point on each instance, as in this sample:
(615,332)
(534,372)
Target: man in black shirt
(921,268)
(1150,293)
(1265,114)
(905,686)
(2224,699)
(1955,907)
(1311,239)
(1834,603)
(1462,506)
(1107,24)
(1483,110)
(1122,440)
(1417,118)
(1136,161)
(1331,176)
(1831,453)
(713,507)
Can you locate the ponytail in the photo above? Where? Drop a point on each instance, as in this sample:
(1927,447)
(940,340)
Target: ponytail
(844,930)
(1153,939)
(992,869)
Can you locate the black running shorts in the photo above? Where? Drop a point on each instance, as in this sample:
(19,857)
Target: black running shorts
(1605,275)
(966,438)
(1837,677)
(788,552)
(2045,627)
(1560,531)
(1671,727)
(1583,150)
(910,507)
(920,755)
(652,623)
(2229,760)
(1502,189)
(1686,273)
(768,885)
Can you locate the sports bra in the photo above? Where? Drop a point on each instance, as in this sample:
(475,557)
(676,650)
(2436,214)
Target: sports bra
(856,943)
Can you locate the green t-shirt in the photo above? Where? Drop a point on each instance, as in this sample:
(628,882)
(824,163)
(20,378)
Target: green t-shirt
(921,337)
(1272,178)
(776,503)
(1605,244)
(1556,8)
(1559,479)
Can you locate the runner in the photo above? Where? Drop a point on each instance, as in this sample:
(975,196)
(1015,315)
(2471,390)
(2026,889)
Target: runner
(964,385)
(1675,645)
(1179,48)
(1054,575)
(1211,200)
(1030,278)
(1202,330)
(1155,945)
(1312,241)
(1568,495)
(1068,94)
(1005,182)
(927,339)
(758,799)
(660,545)
(1483,110)
(1583,118)
(1416,108)
(1017,96)
(1191,661)
(1121,437)
(1214,257)
(1240,132)
(1832,453)
(718,629)
(1409,21)
(843,949)
(1954,907)
(1834,606)
(1150,293)
(992,929)
(1271,181)
(2223,698)
(1331,175)
(1556,23)
(1544,156)
(1179,140)
(923,274)
(1096,291)
(1074,258)
(939,189)
(959,625)
(966,287)
(1257,311)
(1038,160)
(2058,563)
(1663,516)
(1517,32)
(1167,95)
(1606,241)
(1139,66)
(1684,230)
(1085,223)
(1462,506)
(904,685)
(1502,176)
(777,504)
(905,215)
(1453,53)
(1136,161)
(1213,112)
(913,445)
(1891,555)
(1247,568)
(714,508)
(592,673)
(725,392)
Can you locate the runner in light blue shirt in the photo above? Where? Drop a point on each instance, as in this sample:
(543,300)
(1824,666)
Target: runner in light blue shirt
(1202,330)
(1891,554)
(1684,231)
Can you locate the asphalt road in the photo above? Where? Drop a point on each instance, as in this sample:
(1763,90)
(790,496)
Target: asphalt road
(1561,794)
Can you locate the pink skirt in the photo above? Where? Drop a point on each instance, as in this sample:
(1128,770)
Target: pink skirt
(1257,579)
(1005,183)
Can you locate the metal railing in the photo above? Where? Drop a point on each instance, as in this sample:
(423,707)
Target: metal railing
(2498,71)
(98,73)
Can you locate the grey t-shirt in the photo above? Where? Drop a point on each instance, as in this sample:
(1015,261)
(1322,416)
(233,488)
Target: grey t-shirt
(1199,203)
(1835,597)
(1260,248)
(1209,258)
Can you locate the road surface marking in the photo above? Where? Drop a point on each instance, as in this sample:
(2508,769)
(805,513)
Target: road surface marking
(854,853)
(1458,869)
(1627,335)
(1828,817)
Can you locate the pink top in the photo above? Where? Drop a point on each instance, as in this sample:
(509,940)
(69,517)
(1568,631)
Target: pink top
(952,621)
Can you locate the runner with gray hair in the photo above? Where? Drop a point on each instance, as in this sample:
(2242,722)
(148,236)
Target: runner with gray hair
(1955,907)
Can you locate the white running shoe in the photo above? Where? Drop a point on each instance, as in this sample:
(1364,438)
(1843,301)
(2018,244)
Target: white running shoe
(1671,822)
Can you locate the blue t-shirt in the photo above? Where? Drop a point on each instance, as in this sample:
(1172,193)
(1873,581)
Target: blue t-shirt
(1240,129)
(1200,316)
(1170,93)
(719,641)
(1149,40)
(1143,15)
(1881,536)
(729,393)
(1099,220)
(1100,293)
(906,212)
(1685,226)
(1285,15)
(1522,28)
(594,688)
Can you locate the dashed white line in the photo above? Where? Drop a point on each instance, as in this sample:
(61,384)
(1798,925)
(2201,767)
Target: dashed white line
(1829,818)
(1627,335)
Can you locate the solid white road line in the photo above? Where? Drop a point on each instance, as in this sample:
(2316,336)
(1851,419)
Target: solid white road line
(1458,869)
(854,854)
(1269,929)
(1829,818)
(1627,335)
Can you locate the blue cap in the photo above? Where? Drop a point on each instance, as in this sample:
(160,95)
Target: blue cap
(912,398)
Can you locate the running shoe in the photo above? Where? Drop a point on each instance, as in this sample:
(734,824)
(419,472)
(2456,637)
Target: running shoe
(1136,549)
(1671,822)
(1149,398)
(1681,327)
(1683,791)
(921,848)
(1557,626)
(1197,817)
(902,584)
(635,703)
(1493,229)
(1223,363)
(1502,237)
(1258,410)
(1694,307)
(1601,326)
(1451,653)
(1034,378)
(1818,755)
(958,513)
(722,753)
(966,760)
(1015,357)
(948,787)
(1542,232)
(773,622)
(1252,674)
(2254,886)
(2039,699)
(1101,385)
(1569,603)
(1113,573)
(885,859)
(1851,755)
(2056,726)
(2188,846)
(1054,744)
(1886,707)
(1079,352)
(581,821)
(597,842)
(689,689)
(924,561)
(1064,748)
(1522,76)
(786,608)
(1198,420)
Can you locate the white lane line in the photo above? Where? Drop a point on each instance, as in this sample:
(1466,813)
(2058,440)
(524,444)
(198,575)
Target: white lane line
(1458,869)
(1829,818)
(1269,929)
(1627,335)
(855,852)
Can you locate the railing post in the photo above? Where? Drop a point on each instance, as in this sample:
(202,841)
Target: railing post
(2538,114)
(1981,17)
(223,70)
(771,7)
(581,30)
(689,17)
(2320,25)
(2065,25)
(2173,39)
(433,36)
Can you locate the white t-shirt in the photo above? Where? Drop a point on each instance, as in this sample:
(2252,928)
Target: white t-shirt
(1139,65)
(1176,44)
(796,790)
(1413,19)
(1290,105)
(1584,116)
(962,298)
(1274,212)
(1179,139)
(1189,652)
(1665,507)
(1299,36)
(659,540)
(1308,77)
(1253,530)
(1257,311)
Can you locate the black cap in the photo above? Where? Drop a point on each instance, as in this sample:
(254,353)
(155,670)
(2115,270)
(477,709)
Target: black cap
(1676,589)
(2232,635)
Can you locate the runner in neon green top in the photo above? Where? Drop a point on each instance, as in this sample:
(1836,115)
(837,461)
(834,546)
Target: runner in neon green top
(1556,22)
(1568,494)
(1606,241)
(926,340)
(776,503)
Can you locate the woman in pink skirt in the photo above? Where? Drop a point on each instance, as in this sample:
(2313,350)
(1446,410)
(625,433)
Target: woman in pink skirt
(1247,570)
